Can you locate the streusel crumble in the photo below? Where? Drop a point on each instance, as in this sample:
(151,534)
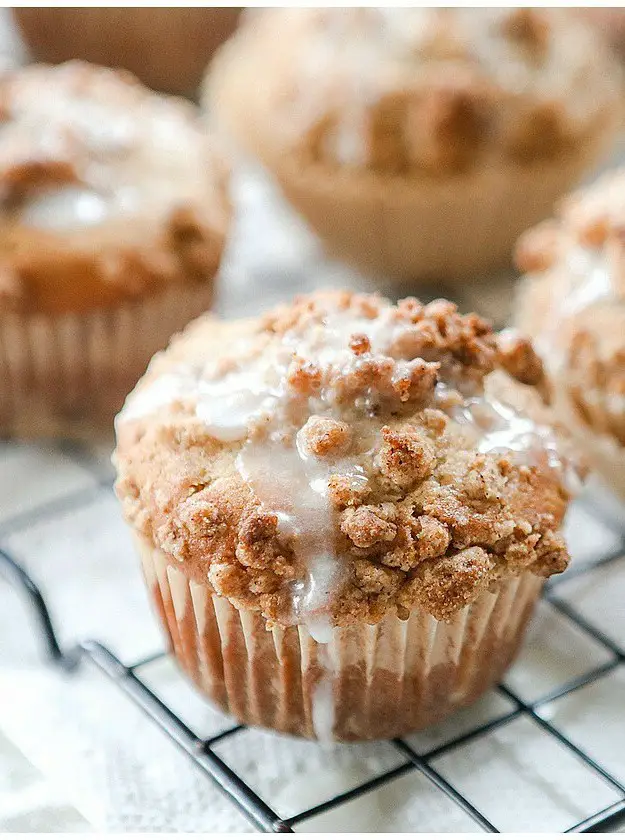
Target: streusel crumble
(572,302)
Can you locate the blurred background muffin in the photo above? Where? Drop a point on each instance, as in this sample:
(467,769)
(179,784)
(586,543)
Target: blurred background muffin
(573,301)
(419,143)
(113,220)
(167,48)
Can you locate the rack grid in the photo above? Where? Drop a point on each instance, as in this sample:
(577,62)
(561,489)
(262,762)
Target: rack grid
(260,814)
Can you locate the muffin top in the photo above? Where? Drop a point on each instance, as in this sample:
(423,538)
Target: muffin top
(573,300)
(434,91)
(95,166)
(341,457)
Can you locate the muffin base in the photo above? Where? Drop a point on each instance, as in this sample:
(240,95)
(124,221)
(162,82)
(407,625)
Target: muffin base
(68,375)
(424,229)
(368,682)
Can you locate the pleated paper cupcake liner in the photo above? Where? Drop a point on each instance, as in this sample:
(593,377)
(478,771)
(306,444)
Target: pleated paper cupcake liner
(69,374)
(368,682)
(424,229)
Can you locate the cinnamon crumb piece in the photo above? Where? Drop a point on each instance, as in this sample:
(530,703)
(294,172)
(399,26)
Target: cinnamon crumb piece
(325,437)
(367,525)
(518,357)
(432,538)
(257,545)
(345,492)
(372,579)
(448,584)
(304,376)
(537,249)
(552,555)
(360,344)
(406,456)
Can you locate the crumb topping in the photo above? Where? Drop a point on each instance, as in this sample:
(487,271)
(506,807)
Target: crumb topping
(574,297)
(94,166)
(434,91)
(342,457)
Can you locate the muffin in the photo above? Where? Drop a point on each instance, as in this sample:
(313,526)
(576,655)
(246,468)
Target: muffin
(573,301)
(113,222)
(345,509)
(167,48)
(418,143)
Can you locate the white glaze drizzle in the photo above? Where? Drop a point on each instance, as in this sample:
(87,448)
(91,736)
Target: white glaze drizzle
(65,208)
(74,207)
(322,698)
(501,429)
(588,281)
(129,149)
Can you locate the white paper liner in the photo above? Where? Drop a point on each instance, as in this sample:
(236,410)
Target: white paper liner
(368,682)
(69,374)
(425,230)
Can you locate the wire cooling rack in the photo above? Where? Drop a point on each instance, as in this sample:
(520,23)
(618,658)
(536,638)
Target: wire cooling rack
(210,755)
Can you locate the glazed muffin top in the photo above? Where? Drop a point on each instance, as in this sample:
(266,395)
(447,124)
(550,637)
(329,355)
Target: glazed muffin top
(102,179)
(434,91)
(342,457)
(573,299)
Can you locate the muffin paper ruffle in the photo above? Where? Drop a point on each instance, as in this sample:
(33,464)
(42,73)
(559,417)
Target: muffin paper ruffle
(368,682)
(68,374)
(425,229)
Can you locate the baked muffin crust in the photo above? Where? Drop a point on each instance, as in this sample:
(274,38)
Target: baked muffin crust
(341,458)
(431,91)
(109,191)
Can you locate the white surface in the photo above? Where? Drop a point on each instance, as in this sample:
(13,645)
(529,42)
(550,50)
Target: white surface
(535,784)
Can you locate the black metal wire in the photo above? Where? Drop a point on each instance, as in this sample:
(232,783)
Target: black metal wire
(18,576)
(609,819)
(257,811)
(443,785)
(353,793)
